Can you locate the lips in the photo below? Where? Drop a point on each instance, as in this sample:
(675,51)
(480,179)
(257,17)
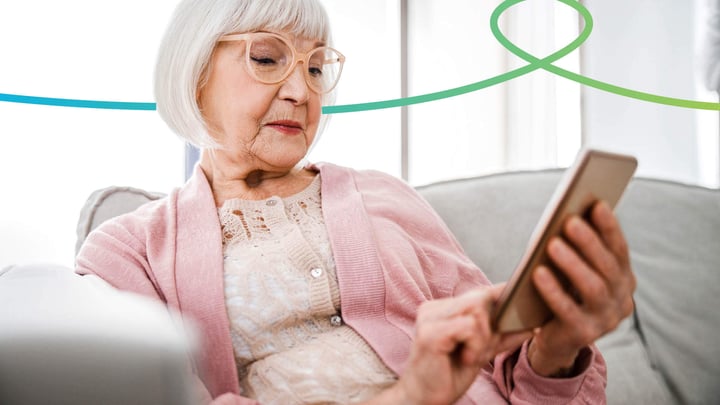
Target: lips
(286,123)
(286,126)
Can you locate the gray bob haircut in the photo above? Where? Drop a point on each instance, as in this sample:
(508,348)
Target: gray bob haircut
(190,39)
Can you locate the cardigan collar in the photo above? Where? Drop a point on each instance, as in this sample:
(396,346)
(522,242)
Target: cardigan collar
(200,282)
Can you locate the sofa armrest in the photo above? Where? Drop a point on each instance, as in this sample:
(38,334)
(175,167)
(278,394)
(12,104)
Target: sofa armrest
(70,339)
(107,203)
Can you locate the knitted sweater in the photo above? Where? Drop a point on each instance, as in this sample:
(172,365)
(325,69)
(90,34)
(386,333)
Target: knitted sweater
(392,252)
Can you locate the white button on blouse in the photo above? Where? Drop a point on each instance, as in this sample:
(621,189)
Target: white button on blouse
(336,320)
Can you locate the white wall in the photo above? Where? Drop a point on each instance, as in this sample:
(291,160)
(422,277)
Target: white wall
(648,45)
(54,157)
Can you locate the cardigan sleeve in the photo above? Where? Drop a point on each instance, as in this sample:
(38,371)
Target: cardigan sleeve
(117,252)
(518,383)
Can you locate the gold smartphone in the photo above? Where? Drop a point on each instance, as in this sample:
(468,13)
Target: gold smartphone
(595,175)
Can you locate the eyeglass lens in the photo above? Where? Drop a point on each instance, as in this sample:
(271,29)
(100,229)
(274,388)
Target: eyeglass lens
(270,59)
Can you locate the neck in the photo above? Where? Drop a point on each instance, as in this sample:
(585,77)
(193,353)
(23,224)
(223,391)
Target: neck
(251,182)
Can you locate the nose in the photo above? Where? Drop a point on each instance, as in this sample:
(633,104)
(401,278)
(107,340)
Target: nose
(295,88)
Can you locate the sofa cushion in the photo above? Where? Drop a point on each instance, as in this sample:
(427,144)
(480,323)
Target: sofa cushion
(673,232)
(632,379)
(492,216)
(674,235)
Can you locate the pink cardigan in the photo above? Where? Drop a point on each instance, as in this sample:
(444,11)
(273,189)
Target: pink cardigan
(392,252)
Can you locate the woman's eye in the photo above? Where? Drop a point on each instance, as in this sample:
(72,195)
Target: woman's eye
(315,71)
(262,60)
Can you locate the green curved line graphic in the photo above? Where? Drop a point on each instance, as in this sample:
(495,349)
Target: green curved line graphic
(611,88)
(534,64)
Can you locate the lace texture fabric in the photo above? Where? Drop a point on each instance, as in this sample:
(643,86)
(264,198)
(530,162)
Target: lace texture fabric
(283,301)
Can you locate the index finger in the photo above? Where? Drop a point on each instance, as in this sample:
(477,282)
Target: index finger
(481,297)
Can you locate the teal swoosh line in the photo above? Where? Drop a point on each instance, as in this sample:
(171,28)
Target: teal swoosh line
(67,102)
(611,88)
(424,98)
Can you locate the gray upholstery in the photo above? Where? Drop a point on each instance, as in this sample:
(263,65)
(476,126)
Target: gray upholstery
(72,340)
(669,353)
(674,232)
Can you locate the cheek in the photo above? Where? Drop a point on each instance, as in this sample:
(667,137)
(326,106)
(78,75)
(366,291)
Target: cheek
(235,107)
(230,97)
(314,111)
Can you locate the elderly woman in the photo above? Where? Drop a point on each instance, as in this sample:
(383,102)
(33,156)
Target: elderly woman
(321,284)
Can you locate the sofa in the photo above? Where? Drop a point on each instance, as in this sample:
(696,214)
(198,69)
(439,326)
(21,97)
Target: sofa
(666,353)
(72,340)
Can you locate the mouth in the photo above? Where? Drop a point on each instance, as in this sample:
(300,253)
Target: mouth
(286,126)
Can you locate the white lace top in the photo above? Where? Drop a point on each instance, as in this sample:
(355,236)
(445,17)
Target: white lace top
(283,300)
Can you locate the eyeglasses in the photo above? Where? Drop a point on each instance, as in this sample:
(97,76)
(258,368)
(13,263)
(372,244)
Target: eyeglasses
(270,59)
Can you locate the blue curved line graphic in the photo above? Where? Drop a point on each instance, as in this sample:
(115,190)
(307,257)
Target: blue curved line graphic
(68,102)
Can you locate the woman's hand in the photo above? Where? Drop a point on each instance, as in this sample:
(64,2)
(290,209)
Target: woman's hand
(453,341)
(596,261)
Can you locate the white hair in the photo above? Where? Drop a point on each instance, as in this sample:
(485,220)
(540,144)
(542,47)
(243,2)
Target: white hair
(191,37)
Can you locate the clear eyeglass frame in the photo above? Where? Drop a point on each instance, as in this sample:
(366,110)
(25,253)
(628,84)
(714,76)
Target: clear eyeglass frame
(296,56)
